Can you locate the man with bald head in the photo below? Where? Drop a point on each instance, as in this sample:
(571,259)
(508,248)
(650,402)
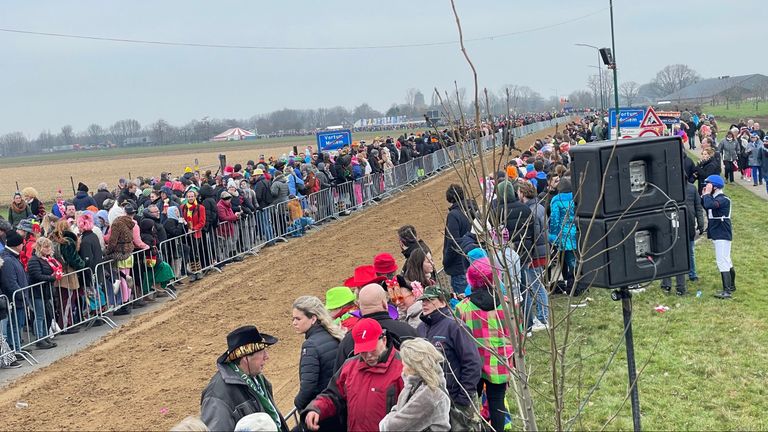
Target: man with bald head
(373,304)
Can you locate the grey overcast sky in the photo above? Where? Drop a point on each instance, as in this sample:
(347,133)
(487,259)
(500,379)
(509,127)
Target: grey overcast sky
(48,82)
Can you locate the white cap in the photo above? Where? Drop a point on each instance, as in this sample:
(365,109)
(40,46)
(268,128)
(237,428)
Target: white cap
(256,422)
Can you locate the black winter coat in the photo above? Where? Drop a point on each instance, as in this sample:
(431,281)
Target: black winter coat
(101,196)
(162,235)
(208,200)
(457,225)
(174,228)
(397,331)
(705,169)
(262,187)
(694,210)
(227,399)
(520,225)
(318,355)
(90,250)
(38,271)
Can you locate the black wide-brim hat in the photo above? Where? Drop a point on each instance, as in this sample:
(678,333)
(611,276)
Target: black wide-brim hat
(244,341)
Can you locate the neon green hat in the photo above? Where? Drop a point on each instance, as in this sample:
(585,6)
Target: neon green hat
(338,296)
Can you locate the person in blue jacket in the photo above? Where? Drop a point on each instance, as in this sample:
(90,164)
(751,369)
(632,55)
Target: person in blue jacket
(562,231)
(720,231)
(463,363)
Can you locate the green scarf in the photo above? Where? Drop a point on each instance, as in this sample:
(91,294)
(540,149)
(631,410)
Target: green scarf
(257,385)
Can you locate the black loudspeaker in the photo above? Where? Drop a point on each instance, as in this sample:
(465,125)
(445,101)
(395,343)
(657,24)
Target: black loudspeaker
(633,228)
(628,168)
(616,250)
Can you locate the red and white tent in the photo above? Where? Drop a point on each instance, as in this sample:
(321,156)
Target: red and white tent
(234,134)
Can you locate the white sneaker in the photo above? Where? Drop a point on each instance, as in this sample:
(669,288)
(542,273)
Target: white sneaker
(538,326)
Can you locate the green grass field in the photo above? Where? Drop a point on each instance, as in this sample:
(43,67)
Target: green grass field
(704,362)
(739,110)
(300,142)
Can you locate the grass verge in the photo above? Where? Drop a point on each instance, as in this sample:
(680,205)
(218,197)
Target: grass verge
(705,360)
(739,110)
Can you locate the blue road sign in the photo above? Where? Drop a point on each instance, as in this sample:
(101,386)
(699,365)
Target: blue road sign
(334,140)
(629,117)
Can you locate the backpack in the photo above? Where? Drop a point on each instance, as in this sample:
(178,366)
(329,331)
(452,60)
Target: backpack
(268,198)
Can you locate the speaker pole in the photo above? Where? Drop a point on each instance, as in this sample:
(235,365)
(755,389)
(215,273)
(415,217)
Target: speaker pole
(625,296)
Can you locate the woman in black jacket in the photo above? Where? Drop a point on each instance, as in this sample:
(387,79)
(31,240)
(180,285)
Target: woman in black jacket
(43,269)
(709,165)
(177,251)
(318,352)
(93,255)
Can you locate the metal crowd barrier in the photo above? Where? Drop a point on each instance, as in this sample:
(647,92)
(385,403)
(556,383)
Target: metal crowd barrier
(86,295)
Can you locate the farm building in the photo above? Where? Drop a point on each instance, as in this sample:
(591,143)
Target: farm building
(722,89)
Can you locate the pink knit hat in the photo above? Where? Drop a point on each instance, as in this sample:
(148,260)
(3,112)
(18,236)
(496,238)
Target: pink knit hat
(480,274)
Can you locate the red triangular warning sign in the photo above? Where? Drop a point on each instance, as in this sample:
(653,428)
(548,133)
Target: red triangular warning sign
(651,119)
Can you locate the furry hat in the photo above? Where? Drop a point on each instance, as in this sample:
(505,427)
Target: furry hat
(480,274)
(85,222)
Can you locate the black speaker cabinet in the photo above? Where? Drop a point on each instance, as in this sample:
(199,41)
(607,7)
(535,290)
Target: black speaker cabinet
(614,251)
(628,169)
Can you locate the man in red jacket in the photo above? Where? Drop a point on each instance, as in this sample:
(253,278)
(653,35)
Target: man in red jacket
(367,385)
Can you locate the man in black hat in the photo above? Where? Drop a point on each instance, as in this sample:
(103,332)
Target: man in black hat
(239,388)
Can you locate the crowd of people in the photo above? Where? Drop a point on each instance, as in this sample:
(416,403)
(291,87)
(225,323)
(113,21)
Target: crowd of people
(104,253)
(389,348)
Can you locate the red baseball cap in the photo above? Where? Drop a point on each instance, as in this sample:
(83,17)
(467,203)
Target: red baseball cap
(366,334)
(384,263)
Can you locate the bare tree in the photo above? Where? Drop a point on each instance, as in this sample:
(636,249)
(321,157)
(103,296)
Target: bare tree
(410,96)
(14,143)
(628,90)
(46,140)
(160,131)
(94,133)
(583,99)
(675,77)
(67,135)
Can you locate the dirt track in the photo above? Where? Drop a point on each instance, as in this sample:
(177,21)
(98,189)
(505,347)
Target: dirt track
(165,358)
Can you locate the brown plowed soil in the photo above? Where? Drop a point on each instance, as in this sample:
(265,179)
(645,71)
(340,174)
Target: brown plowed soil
(163,359)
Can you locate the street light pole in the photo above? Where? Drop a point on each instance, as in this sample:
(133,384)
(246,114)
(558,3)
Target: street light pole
(616,94)
(599,73)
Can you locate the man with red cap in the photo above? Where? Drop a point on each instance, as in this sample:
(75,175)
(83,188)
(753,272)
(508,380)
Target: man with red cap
(367,385)
(373,303)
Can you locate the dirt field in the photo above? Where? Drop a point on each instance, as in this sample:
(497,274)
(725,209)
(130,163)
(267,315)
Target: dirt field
(163,360)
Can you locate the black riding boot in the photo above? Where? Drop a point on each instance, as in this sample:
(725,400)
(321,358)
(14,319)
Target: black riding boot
(727,286)
(733,279)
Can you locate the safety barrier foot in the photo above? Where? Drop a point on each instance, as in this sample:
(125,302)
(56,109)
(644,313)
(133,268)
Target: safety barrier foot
(171,293)
(29,358)
(108,321)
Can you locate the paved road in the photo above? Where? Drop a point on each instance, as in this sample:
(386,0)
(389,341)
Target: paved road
(747,183)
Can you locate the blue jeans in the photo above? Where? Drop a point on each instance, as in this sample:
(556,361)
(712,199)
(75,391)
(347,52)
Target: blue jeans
(692,258)
(21,319)
(265,225)
(756,175)
(459,283)
(534,290)
(41,329)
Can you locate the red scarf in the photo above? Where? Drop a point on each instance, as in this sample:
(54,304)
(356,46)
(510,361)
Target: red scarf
(58,269)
